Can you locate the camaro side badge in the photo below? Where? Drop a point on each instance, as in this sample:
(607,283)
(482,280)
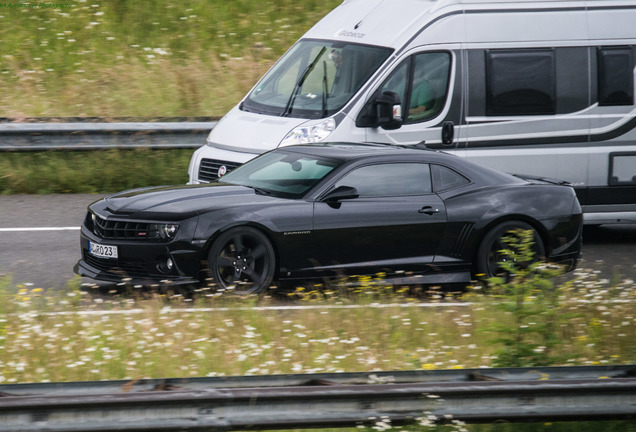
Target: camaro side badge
(296,232)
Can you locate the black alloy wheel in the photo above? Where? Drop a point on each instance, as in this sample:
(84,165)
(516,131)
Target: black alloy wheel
(490,256)
(242,261)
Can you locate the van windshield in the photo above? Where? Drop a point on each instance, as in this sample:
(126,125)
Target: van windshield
(315,79)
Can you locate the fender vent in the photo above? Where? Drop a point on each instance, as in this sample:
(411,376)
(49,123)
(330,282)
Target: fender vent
(462,237)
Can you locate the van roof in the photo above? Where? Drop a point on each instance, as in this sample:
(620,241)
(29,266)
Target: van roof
(392,23)
(372,22)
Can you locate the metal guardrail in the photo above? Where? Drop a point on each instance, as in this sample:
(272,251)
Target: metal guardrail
(322,400)
(16,137)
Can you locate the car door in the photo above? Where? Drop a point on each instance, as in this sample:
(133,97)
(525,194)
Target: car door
(395,223)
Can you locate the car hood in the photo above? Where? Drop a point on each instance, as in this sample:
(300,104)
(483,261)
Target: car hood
(183,200)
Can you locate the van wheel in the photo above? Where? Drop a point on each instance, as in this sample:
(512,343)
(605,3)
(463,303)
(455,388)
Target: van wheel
(489,255)
(242,261)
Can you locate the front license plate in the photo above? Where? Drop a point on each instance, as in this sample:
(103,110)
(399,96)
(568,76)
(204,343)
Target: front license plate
(102,251)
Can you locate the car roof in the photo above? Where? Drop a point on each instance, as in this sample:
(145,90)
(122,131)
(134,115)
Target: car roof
(351,152)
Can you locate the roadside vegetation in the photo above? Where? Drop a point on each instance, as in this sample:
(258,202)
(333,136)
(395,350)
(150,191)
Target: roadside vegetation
(79,335)
(91,171)
(147,60)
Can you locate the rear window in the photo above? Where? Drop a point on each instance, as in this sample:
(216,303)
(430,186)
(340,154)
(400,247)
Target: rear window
(445,178)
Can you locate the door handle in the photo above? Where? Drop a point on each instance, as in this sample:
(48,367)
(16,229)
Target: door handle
(428,210)
(448,132)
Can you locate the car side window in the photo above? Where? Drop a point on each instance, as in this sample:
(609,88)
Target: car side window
(445,178)
(389,179)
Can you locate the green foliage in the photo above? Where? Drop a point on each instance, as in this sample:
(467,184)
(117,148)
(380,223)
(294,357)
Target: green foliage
(145,58)
(91,172)
(528,295)
(82,333)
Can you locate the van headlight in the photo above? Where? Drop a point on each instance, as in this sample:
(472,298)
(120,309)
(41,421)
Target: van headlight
(310,133)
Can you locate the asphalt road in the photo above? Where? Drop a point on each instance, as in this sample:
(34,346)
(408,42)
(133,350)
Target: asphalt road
(39,241)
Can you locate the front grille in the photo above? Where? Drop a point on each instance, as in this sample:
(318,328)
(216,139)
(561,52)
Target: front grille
(118,230)
(209,169)
(122,268)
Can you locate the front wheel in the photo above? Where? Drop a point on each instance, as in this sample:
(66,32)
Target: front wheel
(490,255)
(242,260)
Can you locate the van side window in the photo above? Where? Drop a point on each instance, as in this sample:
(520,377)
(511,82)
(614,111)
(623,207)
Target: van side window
(397,82)
(520,82)
(421,82)
(445,178)
(429,86)
(622,169)
(615,76)
(389,179)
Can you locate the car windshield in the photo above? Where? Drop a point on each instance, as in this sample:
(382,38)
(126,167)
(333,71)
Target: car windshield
(315,79)
(281,174)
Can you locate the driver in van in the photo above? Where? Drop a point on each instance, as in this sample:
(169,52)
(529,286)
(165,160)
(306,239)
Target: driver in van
(422,97)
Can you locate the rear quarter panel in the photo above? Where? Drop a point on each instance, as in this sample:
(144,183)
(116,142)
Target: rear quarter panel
(552,210)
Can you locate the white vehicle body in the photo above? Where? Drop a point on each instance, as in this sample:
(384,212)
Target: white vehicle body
(542,88)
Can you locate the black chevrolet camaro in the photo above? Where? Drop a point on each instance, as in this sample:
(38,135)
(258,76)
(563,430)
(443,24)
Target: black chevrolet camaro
(328,210)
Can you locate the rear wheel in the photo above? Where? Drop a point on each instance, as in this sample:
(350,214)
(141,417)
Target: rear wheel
(242,260)
(489,255)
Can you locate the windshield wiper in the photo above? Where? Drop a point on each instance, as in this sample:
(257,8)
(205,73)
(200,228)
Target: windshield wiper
(259,191)
(325,89)
(300,82)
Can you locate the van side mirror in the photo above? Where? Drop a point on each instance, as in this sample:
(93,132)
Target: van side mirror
(388,110)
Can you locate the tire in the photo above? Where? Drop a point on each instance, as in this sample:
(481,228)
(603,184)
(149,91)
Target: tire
(488,256)
(242,260)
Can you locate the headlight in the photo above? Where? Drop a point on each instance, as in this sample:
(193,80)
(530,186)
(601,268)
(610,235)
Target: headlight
(162,231)
(310,134)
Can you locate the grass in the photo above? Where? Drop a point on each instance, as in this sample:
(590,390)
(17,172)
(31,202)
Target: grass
(116,59)
(92,171)
(80,335)
(46,336)
(147,59)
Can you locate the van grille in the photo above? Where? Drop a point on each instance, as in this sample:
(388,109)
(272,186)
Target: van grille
(209,169)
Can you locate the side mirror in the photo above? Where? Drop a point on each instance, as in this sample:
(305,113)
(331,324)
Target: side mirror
(341,193)
(388,111)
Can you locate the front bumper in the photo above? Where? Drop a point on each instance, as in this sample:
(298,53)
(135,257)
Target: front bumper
(82,268)
(141,262)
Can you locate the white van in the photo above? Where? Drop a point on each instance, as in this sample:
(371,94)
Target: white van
(543,88)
